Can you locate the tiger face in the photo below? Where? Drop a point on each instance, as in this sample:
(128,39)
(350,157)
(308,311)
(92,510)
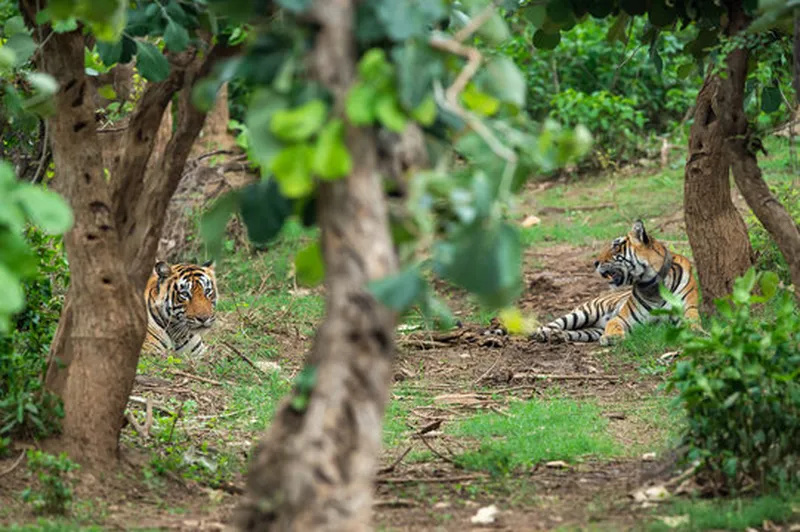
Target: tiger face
(631,259)
(186,295)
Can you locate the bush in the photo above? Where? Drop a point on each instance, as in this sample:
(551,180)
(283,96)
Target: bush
(768,256)
(740,388)
(615,121)
(25,407)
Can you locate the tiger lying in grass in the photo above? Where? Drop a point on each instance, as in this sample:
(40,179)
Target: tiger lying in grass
(181,299)
(634,265)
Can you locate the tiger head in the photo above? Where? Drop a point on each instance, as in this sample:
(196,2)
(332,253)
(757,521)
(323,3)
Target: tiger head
(187,294)
(631,259)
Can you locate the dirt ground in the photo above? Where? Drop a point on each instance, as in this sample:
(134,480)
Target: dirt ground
(473,369)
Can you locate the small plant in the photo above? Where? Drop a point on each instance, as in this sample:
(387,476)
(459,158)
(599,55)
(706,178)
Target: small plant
(54,495)
(740,388)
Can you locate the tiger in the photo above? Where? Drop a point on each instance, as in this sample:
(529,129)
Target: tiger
(181,299)
(635,265)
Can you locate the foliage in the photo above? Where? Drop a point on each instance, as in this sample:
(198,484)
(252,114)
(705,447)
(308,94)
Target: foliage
(25,407)
(616,122)
(54,495)
(293,135)
(740,388)
(768,256)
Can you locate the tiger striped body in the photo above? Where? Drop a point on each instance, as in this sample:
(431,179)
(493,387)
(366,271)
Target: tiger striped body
(180,299)
(635,265)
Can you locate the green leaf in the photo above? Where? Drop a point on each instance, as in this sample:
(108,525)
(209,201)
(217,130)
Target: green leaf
(64,26)
(300,123)
(436,312)
(331,158)
(660,14)
(506,82)
(43,83)
(389,113)
(401,290)
(295,6)
(494,30)
(13,299)
(360,104)
(292,169)
(425,113)
(150,62)
(215,219)
(535,14)
(418,65)
(45,208)
(176,38)
(110,52)
(309,266)
(23,47)
(107,92)
(770,99)
(404,19)
(264,146)
(546,41)
(264,210)
(478,101)
(8,58)
(617,31)
(684,71)
(769,284)
(497,277)
(17,255)
(107,18)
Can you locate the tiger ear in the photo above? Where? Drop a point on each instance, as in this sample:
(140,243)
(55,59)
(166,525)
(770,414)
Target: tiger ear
(209,264)
(162,269)
(639,232)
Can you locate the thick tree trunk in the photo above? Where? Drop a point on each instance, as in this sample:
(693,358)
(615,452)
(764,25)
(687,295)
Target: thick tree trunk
(112,245)
(94,346)
(716,231)
(314,468)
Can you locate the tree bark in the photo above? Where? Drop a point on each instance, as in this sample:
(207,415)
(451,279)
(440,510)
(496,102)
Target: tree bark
(716,231)
(773,216)
(314,468)
(111,248)
(94,346)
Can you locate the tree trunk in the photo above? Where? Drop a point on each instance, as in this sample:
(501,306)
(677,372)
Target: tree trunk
(94,346)
(716,231)
(778,223)
(111,248)
(314,468)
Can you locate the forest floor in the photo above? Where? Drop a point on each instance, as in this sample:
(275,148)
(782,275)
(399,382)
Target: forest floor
(557,437)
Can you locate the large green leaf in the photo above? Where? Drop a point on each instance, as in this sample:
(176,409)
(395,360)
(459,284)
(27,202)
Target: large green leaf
(399,291)
(496,277)
(505,81)
(389,113)
(13,299)
(292,169)
(176,38)
(546,41)
(770,99)
(23,46)
(418,65)
(360,104)
(17,255)
(309,266)
(300,123)
(214,221)
(264,146)
(45,208)
(404,19)
(264,210)
(331,158)
(152,64)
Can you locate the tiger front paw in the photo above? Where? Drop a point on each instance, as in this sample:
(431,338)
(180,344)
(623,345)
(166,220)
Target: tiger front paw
(607,340)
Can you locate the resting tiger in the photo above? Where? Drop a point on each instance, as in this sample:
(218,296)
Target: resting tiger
(181,299)
(634,265)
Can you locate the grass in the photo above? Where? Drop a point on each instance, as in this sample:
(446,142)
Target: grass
(729,514)
(535,431)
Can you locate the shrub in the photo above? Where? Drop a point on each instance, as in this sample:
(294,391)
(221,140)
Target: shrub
(25,407)
(615,120)
(768,256)
(54,495)
(740,388)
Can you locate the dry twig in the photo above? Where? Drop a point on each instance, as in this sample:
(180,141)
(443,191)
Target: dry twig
(14,465)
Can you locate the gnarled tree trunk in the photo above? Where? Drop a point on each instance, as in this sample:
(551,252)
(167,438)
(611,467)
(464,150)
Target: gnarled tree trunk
(111,248)
(716,231)
(314,468)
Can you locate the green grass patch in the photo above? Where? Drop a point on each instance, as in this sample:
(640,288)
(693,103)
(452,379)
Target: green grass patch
(731,514)
(396,419)
(535,431)
(643,345)
(257,402)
